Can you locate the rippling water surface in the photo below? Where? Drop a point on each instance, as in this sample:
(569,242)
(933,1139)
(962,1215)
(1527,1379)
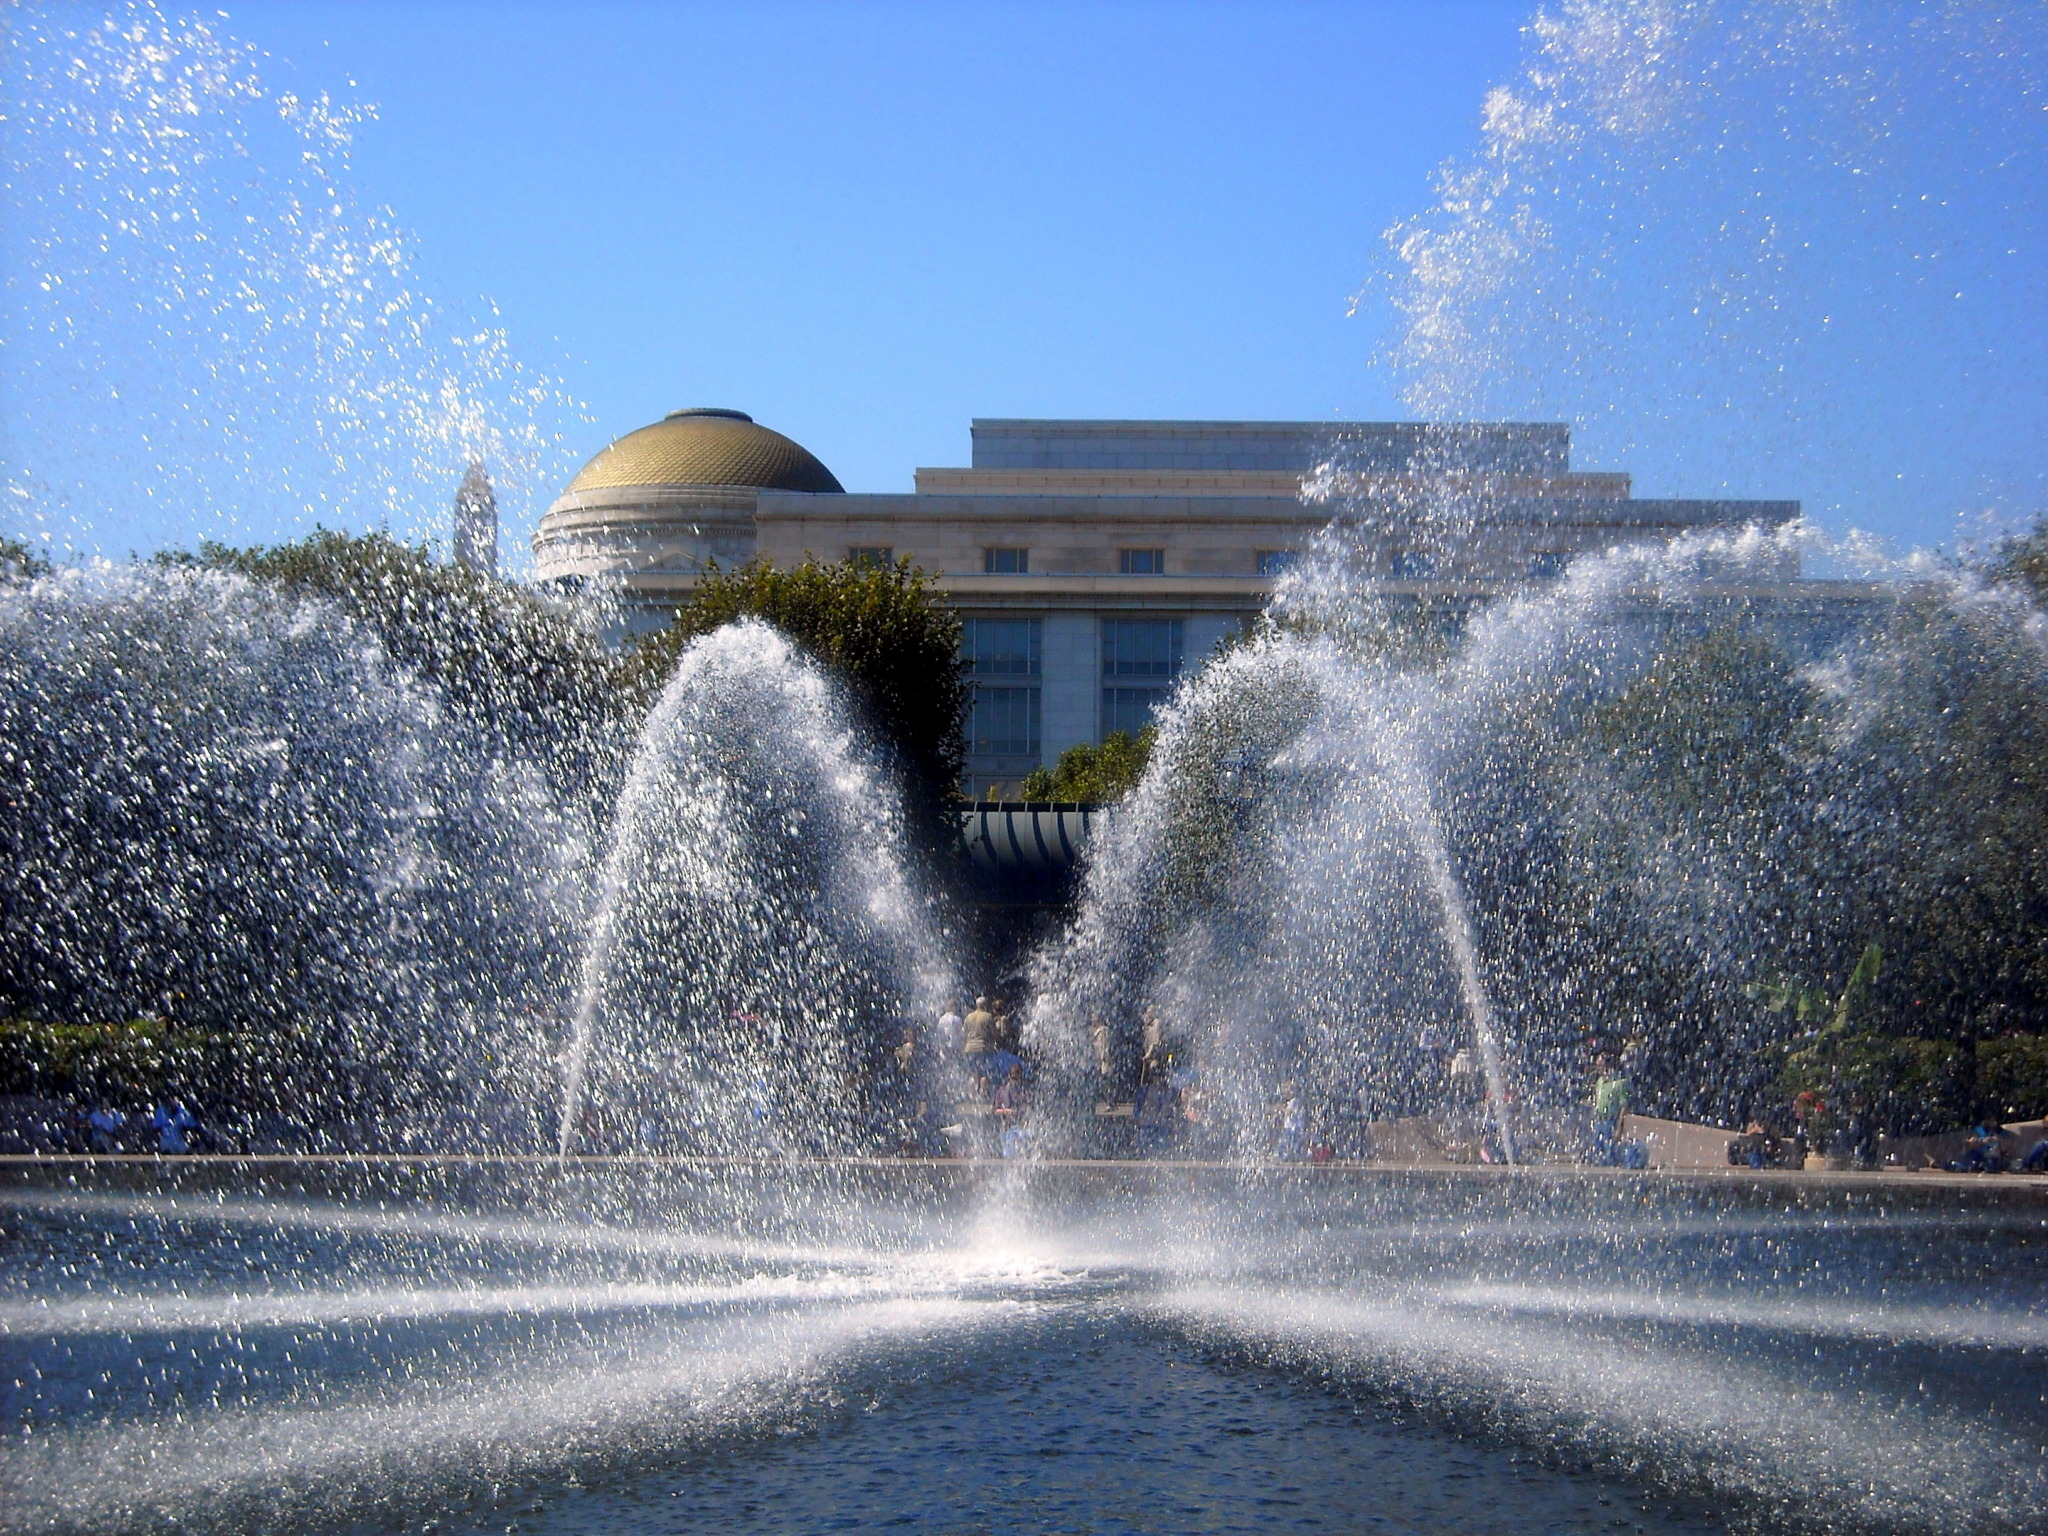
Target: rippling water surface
(642,1347)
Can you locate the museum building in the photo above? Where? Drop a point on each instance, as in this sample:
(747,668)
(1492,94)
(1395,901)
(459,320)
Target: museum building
(1094,562)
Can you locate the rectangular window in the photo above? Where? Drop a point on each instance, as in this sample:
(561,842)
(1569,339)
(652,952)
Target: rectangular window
(1142,562)
(1548,564)
(1141,648)
(1002,647)
(1140,660)
(1005,722)
(1413,565)
(1006,562)
(1131,710)
(1278,562)
(1004,662)
(871,554)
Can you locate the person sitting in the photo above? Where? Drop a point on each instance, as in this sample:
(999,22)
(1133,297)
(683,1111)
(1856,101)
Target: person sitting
(1986,1151)
(1010,1093)
(1610,1103)
(999,1063)
(174,1125)
(103,1128)
(2036,1160)
(1754,1148)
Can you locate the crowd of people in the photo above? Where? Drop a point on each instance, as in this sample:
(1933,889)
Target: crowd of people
(968,1092)
(966,1086)
(169,1128)
(969,1088)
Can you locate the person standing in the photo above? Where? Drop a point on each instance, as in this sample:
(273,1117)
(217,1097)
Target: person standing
(977,1032)
(103,1128)
(949,1028)
(1292,1144)
(1009,1103)
(1099,1042)
(1156,1109)
(1153,1040)
(1610,1103)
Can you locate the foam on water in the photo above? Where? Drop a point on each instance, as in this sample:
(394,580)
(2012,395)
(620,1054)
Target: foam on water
(1812,1449)
(1974,1326)
(661,1386)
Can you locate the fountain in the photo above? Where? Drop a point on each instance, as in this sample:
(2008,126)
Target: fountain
(198,754)
(628,981)
(754,925)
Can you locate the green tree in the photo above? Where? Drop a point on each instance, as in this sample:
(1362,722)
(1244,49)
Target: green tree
(880,629)
(1094,775)
(2023,560)
(19,560)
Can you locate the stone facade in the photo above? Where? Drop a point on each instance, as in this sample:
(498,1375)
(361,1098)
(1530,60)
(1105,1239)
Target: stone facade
(1094,562)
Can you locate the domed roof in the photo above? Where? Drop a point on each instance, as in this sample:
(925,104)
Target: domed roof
(706,447)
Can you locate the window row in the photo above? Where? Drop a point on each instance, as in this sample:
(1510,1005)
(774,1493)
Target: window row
(1017,562)
(1405,564)
(1141,661)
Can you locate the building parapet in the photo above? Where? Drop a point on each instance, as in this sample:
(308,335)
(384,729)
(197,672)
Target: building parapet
(1300,447)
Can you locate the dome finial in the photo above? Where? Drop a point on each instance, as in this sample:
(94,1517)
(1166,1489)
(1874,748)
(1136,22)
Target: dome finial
(709,410)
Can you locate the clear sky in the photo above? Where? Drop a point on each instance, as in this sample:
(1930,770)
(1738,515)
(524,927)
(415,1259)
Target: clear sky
(1742,248)
(867,223)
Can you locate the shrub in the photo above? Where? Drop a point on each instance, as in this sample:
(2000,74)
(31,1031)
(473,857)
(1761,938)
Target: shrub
(1094,775)
(2012,1076)
(140,1060)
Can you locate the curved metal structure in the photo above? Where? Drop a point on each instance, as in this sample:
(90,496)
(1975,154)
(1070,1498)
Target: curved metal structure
(1039,843)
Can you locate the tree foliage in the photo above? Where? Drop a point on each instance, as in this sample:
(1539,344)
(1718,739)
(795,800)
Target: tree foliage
(1750,829)
(2023,560)
(20,561)
(880,629)
(1094,775)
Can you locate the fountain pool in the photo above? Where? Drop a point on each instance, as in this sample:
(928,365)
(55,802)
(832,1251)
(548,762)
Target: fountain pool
(652,1346)
(1644,802)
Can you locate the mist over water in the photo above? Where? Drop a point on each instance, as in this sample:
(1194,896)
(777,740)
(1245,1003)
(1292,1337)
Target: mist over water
(207,329)
(232,811)
(1606,811)
(1741,250)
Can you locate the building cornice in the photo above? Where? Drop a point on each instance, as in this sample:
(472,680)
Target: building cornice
(855,509)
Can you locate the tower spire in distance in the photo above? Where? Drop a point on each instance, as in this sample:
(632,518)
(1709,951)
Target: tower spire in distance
(476,521)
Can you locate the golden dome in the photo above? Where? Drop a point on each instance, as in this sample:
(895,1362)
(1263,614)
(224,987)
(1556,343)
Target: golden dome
(706,447)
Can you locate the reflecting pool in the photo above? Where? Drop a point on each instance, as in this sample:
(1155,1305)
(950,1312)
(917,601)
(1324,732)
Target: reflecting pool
(646,1346)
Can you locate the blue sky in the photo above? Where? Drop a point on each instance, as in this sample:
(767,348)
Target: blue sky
(865,224)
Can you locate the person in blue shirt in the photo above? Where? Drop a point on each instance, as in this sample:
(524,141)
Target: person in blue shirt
(174,1125)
